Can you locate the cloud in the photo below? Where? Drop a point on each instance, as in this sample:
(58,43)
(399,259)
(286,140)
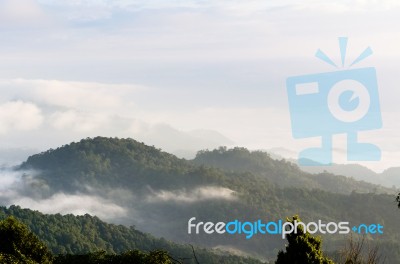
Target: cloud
(113,204)
(18,115)
(141,4)
(56,112)
(24,189)
(22,9)
(77,204)
(182,143)
(68,94)
(232,7)
(14,184)
(76,121)
(191,196)
(26,14)
(8,179)
(67,111)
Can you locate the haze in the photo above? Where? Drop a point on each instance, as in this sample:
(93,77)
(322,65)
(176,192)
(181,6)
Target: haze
(182,75)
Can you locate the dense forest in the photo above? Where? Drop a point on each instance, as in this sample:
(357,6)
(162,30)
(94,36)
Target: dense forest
(161,192)
(87,239)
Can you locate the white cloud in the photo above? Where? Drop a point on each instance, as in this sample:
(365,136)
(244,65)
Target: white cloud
(78,121)
(77,204)
(70,111)
(125,3)
(18,116)
(173,44)
(195,195)
(15,184)
(76,95)
(8,180)
(20,9)
(180,142)
(232,6)
(18,14)
(248,126)
(23,189)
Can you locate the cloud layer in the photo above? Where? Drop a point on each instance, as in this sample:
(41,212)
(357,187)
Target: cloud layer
(191,196)
(117,205)
(19,116)
(159,70)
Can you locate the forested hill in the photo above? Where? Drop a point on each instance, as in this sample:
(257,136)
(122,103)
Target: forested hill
(70,234)
(113,161)
(281,172)
(92,155)
(159,193)
(105,161)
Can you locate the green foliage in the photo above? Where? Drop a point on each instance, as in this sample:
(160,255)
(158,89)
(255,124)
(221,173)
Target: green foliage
(19,245)
(302,248)
(102,161)
(9,259)
(262,188)
(77,237)
(133,256)
(280,172)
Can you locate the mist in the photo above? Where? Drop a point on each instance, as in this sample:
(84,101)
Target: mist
(191,196)
(141,208)
(24,189)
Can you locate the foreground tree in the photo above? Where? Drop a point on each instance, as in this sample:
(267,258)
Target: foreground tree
(398,200)
(132,256)
(358,252)
(19,245)
(302,248)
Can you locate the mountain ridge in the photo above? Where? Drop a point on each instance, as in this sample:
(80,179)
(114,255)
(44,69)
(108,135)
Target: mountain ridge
(219,185)
(69,234)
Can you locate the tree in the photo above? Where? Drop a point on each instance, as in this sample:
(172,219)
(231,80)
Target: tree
(356,252)
(398,200)
(19,245)
(302,248)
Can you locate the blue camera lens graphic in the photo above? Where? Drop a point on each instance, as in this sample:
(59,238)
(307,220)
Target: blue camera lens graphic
(348,101)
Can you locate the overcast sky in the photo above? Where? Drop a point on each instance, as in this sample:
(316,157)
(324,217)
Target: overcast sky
(183,75)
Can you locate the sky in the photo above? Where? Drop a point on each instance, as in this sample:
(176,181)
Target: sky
(183,75)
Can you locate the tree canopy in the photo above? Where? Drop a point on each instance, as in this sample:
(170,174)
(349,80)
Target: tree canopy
(302,248)
(19,245)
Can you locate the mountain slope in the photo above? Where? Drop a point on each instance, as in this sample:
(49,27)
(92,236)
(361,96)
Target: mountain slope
(82,234)
(389,178)
(102,161)
(282,172)
(160,192)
